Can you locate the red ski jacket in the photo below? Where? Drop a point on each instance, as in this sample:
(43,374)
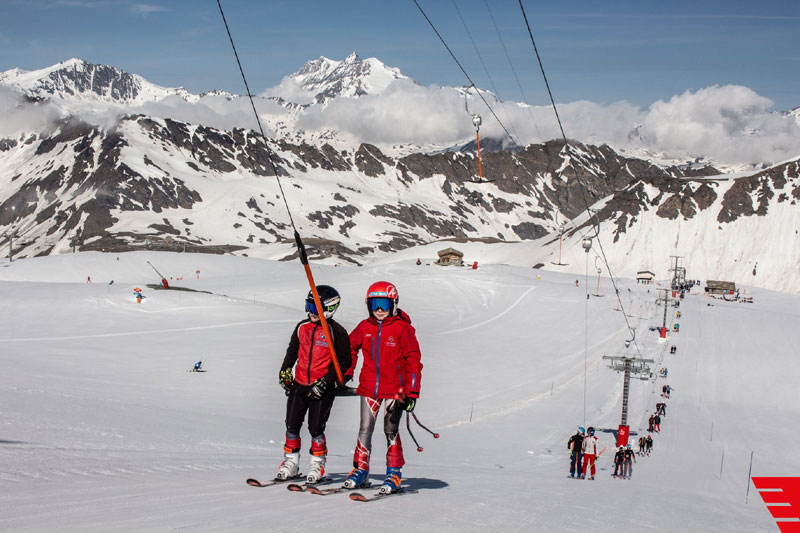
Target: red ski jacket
(309,350)
(391,357)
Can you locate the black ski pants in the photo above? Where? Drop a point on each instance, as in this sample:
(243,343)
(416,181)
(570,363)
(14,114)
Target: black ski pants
(298,404)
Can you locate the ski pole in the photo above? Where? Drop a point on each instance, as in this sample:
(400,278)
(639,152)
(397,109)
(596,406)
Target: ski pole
(435,435)
(408,426)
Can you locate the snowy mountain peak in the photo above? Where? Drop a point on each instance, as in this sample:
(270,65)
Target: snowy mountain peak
(352,77)
(76,78)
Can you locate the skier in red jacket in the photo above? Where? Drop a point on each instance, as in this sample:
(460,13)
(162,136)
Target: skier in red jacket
(391,371)
(312,388)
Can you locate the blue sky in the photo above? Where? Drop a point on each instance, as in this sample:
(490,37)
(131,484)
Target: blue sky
(603,52)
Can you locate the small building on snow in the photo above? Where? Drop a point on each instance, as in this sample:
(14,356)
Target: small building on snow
(450,256)
(645,276)
(720,287)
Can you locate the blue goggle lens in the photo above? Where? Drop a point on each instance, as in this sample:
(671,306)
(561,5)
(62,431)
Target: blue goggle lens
(384,304)
(311,308)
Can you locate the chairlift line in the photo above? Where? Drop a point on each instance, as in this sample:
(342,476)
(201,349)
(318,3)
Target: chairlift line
(301,249)
(471,83)
(476,121)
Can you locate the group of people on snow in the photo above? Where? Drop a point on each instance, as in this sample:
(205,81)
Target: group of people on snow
(645,445)
(390,375)
(623,462)
(582,448)
(583,453)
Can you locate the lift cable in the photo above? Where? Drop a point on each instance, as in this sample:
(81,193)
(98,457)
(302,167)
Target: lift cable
(510,64)
(301,250)
(483,64)
(582,187)
(471,83)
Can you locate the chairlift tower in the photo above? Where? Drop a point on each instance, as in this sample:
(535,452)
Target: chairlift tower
(664,298)
(678,272)
(562,228)
(627,365)
(11,236)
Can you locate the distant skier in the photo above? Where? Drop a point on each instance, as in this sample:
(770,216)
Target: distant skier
(667,391)
(197,366)
(575,452)
(576,282)
(664,391)
(642,444)
(313,389)
(650,422)
(630,458)
(589,449)
(619,462)
(663,411)
(649,442)
(391,372)
(657,423)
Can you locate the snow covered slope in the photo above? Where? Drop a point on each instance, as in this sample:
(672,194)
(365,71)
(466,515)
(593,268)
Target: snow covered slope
(102,428)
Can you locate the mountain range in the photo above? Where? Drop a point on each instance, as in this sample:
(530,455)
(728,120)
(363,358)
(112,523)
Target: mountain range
(145,179)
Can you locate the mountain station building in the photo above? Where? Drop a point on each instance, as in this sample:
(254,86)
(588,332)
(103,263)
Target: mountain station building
(450,256)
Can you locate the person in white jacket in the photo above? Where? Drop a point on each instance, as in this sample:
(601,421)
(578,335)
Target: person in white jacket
(589,452)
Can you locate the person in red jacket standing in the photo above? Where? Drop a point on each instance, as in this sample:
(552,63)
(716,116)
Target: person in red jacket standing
(391,372)
(311,388)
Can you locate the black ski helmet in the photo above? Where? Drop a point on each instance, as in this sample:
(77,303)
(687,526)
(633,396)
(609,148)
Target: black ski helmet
(590,431)
(328,296)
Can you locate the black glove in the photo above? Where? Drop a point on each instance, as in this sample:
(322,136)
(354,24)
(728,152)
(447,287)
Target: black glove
(317,389)
(409,404)
(286,379)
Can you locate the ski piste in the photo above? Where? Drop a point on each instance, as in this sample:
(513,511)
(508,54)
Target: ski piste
(359,497)
(275,481)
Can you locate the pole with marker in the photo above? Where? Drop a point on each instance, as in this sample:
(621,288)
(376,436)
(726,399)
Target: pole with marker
(301,249)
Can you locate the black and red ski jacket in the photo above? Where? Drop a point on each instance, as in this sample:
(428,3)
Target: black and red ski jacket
(310,351)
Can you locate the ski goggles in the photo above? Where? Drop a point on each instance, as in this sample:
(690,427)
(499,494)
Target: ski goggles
(312,308)
(382,304)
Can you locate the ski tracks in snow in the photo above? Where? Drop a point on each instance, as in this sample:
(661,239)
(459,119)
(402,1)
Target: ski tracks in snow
(496,317)
(149,332)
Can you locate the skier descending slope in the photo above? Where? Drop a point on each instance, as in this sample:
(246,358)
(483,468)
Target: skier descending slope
(391,371)
(313,388)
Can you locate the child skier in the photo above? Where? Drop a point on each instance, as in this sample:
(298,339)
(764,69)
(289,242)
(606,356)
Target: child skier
(649,442)
(589,449)
(619,462)
(574,446)
(391,371)
(313,388)
(630,458)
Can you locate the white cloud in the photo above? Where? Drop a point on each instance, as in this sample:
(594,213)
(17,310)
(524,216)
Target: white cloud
(146,9)
(20,116)
(729,124)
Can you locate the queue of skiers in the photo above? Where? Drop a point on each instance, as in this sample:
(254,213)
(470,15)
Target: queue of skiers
(582,448)
(390,376)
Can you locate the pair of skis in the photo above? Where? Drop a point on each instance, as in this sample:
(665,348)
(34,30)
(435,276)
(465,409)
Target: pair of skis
(313,488)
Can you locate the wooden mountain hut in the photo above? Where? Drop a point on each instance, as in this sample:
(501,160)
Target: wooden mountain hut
(720,287)
(645,276)
(450,256)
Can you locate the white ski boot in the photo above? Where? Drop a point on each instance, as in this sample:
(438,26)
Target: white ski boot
(316,469)
(290,467)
